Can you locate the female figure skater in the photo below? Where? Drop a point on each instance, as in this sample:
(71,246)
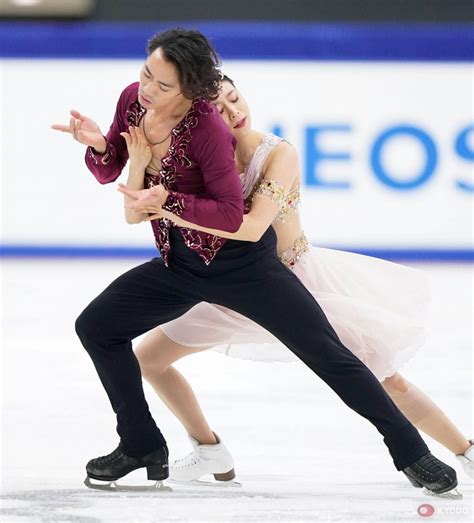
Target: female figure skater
(376,307)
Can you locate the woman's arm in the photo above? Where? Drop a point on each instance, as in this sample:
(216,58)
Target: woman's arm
(140,156)
(283,168)
(250,230)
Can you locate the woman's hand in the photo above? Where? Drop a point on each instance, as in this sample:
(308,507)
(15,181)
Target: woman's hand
(146,200)
(139,149)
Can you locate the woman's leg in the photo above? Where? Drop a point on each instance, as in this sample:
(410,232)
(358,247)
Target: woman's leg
(155,354)
(424,414)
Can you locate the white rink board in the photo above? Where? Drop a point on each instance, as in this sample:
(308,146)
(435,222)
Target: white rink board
(49,197)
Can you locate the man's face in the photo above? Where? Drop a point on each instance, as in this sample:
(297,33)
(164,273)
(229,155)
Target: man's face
(159,82)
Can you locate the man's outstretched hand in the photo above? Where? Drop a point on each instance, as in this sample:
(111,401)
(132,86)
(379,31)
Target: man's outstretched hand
(84,130)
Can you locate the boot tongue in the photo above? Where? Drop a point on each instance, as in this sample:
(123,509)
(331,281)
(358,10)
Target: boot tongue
(469,454)
(194,442)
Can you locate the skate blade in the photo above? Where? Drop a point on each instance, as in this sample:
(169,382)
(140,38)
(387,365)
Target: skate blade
(204,483)
(113,486)
(451,494)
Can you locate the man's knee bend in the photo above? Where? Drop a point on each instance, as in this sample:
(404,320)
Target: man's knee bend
(81,325)
(88,325)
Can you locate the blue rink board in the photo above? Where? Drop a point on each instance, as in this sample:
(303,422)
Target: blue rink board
(75,251)
(245,40)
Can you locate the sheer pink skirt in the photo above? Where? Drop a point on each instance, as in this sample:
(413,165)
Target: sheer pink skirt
(377,308)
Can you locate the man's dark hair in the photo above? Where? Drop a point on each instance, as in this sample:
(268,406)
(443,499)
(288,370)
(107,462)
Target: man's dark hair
(194,58)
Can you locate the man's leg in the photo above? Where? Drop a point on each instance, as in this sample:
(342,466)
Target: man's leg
(280,303)
(137,301)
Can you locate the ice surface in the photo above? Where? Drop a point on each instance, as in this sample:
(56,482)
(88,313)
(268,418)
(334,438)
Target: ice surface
(300,454)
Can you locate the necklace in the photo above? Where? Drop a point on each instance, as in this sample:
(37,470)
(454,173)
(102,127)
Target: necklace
(148,140)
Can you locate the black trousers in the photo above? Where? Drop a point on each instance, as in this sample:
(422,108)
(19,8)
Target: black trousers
(250,279)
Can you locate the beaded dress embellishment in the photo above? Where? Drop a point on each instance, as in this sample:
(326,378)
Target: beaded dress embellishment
(287,202)
(290,256)
(292,200)
(272,189)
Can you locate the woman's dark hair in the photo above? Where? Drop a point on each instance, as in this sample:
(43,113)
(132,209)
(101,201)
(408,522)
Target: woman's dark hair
(225,78)
(195,59)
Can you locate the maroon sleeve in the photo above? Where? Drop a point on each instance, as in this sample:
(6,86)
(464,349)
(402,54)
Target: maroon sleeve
(108,166)
(213,150)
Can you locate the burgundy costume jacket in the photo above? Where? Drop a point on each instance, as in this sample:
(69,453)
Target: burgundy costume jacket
(198,171)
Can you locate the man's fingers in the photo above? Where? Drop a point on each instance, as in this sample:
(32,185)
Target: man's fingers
(74,125)
(81,136)
(77,114)
(62,128)
(72,128)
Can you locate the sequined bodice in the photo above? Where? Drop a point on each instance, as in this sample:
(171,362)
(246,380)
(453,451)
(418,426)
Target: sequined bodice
(288,201)
(253,175)
(290,204)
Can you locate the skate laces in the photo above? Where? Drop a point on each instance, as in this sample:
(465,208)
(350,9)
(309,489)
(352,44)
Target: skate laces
(105,460)
(191,460)
(430,464)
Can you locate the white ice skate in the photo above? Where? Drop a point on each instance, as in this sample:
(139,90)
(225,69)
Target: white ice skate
(467,460)
(215,460)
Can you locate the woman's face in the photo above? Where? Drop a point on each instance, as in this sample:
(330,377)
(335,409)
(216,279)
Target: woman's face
(233,109)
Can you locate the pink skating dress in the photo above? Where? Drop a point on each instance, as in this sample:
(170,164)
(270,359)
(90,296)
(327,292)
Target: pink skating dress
(377,308)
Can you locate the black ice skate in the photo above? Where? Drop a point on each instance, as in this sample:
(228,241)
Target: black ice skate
(437,478)
(106,470)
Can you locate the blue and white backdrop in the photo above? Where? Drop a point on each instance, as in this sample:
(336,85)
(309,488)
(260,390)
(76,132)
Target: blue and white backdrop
(382,119)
